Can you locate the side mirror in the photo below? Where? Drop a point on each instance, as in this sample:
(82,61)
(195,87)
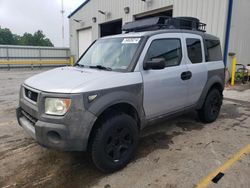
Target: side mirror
(155,64)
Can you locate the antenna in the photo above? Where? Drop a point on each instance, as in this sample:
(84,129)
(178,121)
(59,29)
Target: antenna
(62,12)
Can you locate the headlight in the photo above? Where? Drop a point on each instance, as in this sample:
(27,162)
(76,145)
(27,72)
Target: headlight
(57,106)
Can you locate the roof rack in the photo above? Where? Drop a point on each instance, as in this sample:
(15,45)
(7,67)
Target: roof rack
(163,22)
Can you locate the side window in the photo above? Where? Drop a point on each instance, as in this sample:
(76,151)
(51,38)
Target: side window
(194,50)
(213,50)
(169,49)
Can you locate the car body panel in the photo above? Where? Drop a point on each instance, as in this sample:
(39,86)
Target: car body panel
(164,90)
(199,72)
(77,80)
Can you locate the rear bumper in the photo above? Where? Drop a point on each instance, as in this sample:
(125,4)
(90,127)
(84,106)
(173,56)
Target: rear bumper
(51,135)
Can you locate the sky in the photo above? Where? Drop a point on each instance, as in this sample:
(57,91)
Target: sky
(22,16)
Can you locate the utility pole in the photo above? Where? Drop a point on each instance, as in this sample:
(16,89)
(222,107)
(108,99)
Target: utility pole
(62,12)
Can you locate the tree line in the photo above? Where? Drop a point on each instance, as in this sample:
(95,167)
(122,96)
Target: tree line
(27,39)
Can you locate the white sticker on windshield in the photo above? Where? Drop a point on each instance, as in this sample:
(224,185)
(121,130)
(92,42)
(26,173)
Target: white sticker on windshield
(131,40)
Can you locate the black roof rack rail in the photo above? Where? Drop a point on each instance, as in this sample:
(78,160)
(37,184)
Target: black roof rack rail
(156,23)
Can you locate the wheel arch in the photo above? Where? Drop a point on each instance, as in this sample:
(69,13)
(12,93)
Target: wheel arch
(218,86)
(118,107)
(214,82)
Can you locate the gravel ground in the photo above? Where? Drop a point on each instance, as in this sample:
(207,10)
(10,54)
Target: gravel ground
(176,153)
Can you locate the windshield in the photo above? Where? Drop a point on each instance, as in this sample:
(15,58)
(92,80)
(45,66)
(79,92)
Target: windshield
(112,54)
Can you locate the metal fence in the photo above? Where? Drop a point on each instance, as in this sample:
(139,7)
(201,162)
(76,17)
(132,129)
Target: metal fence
(31,56)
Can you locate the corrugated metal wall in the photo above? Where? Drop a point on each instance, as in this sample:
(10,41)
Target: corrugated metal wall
(116,10)
(239,38)
(211,12)
(29,55)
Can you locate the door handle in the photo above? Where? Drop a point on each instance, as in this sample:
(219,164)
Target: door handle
(186,75)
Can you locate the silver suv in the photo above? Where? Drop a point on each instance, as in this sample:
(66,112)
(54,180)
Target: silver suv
(120,85)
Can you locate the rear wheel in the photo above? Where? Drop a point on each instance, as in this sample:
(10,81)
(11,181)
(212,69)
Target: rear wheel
(115,143)
(211,107)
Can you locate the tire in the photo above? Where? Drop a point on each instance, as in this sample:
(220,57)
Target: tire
(211,107)
(114,143)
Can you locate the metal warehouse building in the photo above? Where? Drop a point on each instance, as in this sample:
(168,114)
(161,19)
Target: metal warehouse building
(227,19)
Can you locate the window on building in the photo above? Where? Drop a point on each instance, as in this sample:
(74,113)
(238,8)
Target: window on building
(169,49)
(194,50)
(213,50)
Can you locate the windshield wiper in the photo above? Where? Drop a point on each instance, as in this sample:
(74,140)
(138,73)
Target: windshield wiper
(79,65)
(101,67)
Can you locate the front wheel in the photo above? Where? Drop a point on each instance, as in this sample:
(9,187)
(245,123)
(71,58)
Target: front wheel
(115,143)
(211,107)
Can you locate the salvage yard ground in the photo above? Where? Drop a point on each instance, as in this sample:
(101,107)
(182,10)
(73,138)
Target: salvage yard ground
(181,152)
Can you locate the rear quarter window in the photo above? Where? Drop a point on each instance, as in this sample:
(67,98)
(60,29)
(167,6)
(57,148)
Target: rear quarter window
(213,48)
(194,50)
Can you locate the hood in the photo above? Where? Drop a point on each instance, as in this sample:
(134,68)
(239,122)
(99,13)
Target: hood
(77,80)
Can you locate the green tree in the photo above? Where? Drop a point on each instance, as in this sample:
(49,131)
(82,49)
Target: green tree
(6,37)
(27,39)
(17,39)
(36,39)
(40,39)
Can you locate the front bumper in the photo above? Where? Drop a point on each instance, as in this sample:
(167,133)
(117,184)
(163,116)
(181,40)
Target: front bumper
(67,133)
(48,134)
(25,123)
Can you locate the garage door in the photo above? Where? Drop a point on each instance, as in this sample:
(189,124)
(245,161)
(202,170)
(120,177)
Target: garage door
(84,40)
(111,28)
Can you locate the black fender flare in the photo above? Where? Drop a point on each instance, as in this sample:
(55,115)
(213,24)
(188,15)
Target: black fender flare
(113,98)
(210,83)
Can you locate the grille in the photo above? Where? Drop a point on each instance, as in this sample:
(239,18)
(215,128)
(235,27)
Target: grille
(31,94)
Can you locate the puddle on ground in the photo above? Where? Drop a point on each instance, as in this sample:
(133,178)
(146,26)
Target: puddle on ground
(230,111)
(152,142)
(169,129)
(189,126)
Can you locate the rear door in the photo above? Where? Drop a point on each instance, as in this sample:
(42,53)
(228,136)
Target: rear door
(164,90)
(195,60)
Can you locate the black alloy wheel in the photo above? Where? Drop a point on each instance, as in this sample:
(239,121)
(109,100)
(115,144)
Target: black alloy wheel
(119,142)
(115,142)
(211,107)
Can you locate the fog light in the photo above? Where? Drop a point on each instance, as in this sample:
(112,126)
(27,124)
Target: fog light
(54,137)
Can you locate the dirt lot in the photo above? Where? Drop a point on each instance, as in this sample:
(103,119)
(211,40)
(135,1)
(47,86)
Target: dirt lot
(177,153)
